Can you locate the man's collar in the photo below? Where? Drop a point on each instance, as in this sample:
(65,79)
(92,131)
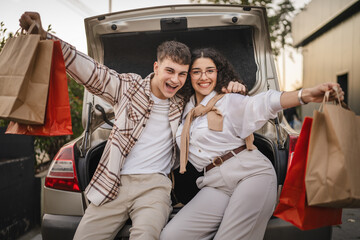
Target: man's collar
(148,84)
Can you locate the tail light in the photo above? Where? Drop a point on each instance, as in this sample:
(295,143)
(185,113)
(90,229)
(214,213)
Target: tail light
(62,172)
(292,143)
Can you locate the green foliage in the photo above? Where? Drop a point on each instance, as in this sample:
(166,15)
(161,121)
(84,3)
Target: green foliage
(51,145)
(279,18)
(280,25)
(2,35)
(76,92)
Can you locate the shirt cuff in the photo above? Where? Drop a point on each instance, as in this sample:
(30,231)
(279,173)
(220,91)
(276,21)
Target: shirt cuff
(274,101)
(50,36)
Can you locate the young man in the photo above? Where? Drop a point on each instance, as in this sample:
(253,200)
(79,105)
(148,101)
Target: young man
(138,187)
(131,177)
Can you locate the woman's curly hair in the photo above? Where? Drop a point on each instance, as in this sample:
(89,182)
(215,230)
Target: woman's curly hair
(226,72)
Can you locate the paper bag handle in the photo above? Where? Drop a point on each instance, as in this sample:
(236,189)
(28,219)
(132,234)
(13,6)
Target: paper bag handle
(29,31)
(326,99)
(32,27)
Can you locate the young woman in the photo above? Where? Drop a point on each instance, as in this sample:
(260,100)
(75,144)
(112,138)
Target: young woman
(238,189)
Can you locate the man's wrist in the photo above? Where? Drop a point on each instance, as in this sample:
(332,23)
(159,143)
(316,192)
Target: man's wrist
(43,35)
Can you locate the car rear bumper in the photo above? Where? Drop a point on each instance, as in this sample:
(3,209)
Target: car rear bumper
(62,227)
(59,227)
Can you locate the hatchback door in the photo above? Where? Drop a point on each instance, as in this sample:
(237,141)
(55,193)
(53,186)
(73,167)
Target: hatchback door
(127,41)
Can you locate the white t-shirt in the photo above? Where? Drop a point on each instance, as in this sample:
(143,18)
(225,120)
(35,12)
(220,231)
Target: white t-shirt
(242,116)
(153,151)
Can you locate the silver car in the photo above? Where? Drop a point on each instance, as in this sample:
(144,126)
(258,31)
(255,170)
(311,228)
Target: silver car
(126,42)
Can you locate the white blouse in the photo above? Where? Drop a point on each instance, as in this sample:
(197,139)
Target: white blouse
(242,116)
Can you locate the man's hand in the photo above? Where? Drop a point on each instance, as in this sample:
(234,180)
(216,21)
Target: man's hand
(235,87)
(28,18)
(316,94)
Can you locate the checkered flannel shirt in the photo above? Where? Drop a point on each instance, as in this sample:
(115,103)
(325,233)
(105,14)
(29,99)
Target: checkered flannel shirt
(129,95)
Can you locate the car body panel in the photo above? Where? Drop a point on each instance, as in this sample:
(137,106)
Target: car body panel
(59,227)
(63,202)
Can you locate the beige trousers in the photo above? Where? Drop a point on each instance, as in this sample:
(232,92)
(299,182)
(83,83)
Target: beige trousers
(236,201)
(145,198)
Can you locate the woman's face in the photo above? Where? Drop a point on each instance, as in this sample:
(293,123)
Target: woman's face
(203,75)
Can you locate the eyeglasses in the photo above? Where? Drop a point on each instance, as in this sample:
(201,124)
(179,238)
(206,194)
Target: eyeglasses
(197,74)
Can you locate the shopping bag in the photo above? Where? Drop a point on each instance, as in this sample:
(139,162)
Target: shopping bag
(25,63)
(58,116)
(292,206)
(333,173)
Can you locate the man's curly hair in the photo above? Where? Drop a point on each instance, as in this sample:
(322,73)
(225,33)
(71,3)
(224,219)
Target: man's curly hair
(226,72)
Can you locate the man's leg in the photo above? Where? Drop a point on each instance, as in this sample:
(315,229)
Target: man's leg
(200,218)
(103,222)
(151,207)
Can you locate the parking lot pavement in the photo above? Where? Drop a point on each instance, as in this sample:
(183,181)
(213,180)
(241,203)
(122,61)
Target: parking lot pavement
(34,234)
(350,227)
(348,230)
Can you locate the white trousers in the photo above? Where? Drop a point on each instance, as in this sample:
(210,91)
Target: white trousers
(236,201)
(145,198)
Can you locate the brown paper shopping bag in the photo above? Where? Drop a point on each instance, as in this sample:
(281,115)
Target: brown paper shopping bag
(333,170)
(58,116)
(25,63)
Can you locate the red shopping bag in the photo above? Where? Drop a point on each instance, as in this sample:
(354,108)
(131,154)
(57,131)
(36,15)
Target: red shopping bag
(292,206)
(57,116)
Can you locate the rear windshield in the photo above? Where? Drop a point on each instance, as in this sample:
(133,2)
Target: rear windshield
(136,52)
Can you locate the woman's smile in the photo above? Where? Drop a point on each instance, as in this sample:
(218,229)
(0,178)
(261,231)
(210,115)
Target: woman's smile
(203,75)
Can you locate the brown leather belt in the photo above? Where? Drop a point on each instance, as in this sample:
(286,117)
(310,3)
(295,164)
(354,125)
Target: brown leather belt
(220,160)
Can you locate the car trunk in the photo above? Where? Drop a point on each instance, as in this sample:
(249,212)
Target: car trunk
(136,52)
(185,187)
(184,184)
(127,41)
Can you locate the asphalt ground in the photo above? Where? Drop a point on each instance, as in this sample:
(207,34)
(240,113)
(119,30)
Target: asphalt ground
(348,230)
(350,227)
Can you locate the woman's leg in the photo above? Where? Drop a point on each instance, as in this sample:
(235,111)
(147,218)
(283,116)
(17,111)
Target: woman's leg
(250,208)
(200,218)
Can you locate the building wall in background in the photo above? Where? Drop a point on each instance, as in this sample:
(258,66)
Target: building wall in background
(333,55)
(315,15)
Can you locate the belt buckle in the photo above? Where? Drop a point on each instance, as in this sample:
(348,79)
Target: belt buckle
(221,161)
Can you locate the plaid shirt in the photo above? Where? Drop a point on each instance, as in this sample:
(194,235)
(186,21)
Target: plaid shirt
(129,95)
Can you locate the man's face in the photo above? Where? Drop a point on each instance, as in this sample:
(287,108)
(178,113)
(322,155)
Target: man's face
(169,78)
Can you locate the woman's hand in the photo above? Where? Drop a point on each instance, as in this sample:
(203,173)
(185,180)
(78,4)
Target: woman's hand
(28,18)
(313,94)
(235,87)
(316,94)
